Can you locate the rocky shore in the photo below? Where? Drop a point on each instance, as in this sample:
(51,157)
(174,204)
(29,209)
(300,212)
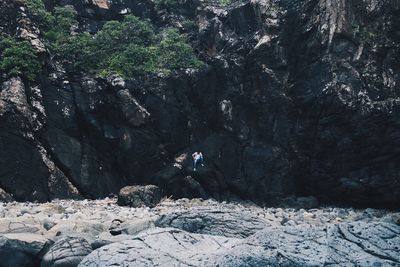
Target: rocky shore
(194,233)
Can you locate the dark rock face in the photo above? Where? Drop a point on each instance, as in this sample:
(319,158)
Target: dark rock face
(22,249)
(138,196)
(5,197)
(299,98)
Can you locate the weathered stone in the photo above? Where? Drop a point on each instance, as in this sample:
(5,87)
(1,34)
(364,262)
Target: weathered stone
(159,247)
(354,244)
(66,252)
(5,197)
(21,249)
(213,222)
(138,196)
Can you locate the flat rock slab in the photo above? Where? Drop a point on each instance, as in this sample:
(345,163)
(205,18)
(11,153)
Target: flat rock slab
(226,223)
(347,244)
(165,247)
(66,252)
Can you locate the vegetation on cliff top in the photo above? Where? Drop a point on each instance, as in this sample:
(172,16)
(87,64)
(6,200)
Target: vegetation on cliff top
(128,47)
(18,58)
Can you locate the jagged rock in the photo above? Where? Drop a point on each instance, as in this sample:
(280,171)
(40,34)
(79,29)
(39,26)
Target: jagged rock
(134,113)
(138,196)
(18,151)
(66,252)
(213,222)
(22,249)
(5,197)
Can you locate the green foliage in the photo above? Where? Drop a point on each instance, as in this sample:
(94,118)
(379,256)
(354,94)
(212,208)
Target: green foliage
(38,10)
(128,47)
(174,53)
(131,61)
(131,47)
(19,58)
(189,25)
(65,18)
(225,2)
(123,47)
(166,4)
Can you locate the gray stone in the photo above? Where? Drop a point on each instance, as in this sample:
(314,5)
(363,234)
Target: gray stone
(66,252)
(354,244)
(206,220)
(139,196)
(164,247)
(21,249)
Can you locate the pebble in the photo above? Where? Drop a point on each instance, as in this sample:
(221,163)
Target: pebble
(102,212)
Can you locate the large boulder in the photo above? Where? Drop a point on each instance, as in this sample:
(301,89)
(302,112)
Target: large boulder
(66,252)
(138,196)
(22,249)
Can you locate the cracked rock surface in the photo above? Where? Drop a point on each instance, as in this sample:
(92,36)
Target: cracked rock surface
(194,233)
(345,244)
(66,252)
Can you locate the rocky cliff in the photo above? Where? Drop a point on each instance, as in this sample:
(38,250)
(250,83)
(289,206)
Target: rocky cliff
(295,98)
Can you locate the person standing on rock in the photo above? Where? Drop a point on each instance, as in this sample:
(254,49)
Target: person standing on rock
(197,158)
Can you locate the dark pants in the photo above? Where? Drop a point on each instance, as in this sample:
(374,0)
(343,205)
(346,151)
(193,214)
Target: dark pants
(199,160)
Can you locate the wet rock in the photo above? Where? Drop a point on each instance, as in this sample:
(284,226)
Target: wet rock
(139,196)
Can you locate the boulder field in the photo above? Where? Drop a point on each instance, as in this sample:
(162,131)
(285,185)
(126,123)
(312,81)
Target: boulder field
(70,233)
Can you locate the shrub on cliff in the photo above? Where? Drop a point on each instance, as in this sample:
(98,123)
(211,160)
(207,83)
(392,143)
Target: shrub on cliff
(128,47)
(19,58)
(37,10)
(132,47)
(174,53)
